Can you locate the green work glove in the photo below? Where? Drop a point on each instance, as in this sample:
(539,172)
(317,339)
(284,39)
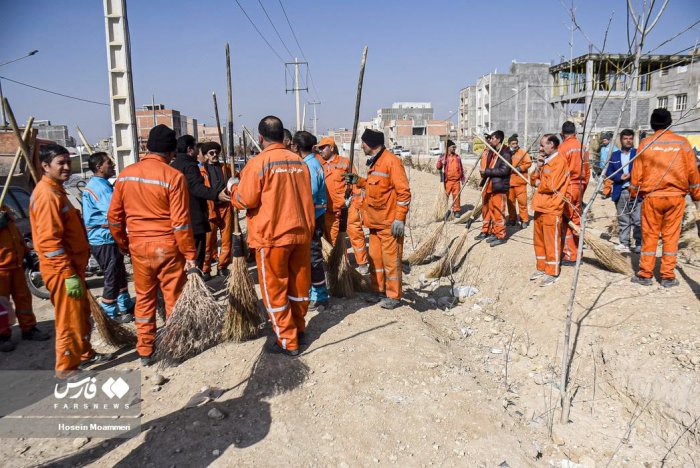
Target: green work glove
(350,178)
(74,287)
(397,229)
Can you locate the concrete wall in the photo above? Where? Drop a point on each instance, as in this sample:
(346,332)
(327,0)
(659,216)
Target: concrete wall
(678,81)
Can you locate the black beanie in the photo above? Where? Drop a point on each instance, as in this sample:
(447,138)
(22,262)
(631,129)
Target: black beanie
(513,137)
(450,143)
(373,138)
(161,139)
(660,119)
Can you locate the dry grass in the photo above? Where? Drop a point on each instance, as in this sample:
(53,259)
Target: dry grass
(194,324)
(447,263)
(243,318)
(426,248)
(113,333)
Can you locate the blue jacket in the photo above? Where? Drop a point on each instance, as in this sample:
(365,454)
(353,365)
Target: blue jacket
(97,196)
(615,165)
(605,152)
(318,184)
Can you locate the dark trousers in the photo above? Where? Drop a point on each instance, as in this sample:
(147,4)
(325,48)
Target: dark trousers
(111,260)
(318,275)
(200,243)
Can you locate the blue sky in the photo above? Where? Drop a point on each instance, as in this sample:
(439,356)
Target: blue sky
(418,51)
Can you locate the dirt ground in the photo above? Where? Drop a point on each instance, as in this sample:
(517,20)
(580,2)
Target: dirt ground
(476,384)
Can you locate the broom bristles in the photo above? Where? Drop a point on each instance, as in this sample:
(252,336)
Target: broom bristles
(440,206)
(113,333)
(340,280)
(427,247)
(243,318)
(471,214)
(445,265)
(607,256)
(193,325)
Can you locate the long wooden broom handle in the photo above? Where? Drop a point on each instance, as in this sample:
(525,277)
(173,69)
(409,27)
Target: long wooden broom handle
(23,146)
(15,160)
(358,99)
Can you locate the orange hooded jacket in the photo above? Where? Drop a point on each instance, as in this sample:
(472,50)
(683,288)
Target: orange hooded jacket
(387,194)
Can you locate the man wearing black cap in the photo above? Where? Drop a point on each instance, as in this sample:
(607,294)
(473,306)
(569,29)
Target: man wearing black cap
(186,162)
(664,172)
(384,210)
(149,218)
(452,173)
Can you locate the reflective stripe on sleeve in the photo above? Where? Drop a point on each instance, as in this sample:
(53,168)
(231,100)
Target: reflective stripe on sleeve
(180,228)
(403,203)
(54,253)
(380,174)
(144,181)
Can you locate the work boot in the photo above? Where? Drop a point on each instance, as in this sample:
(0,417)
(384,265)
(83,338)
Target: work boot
(301,338)
(491,238)
(363,269)
(146,361)
(643,281)
(481,236)
(274,348)
(497,242)
(570,263)
(637,249)
(6,344)
(524,224)
(34,334)
(97,358)
(389,303)
(536,275)
(124,318)
(373,298)
(318,305)
(511,222)
(669,283)
(548,280)
(224,272)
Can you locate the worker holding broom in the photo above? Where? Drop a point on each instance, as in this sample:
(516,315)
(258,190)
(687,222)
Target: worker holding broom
(386,204)
(665,171)
(13,253)
(517,194)
(551,177)
(495,178)
(149,217)
(579,175)
(275,189)
(220,213)
(453,175)
(61,242)
(334,166)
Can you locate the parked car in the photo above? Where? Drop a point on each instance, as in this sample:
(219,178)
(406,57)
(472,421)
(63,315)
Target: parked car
(436,151)
(397,150)
(405,153)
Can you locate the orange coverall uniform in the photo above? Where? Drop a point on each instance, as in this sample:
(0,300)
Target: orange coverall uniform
(61,241)
(548,207)
(12,280)
(149,217)
(454,177)
(275,189)
(493,203)
(220,219)
(579,175)
(387,199)
(664,171)
(333,170)
(518,187)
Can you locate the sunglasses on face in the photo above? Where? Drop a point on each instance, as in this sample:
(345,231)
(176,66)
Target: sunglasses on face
(212,153)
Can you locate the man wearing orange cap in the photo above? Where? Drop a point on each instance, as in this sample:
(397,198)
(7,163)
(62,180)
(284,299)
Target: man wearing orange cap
(665,171)
(452,175)
(334,166)
(149,217)
(61,242)
(384,210)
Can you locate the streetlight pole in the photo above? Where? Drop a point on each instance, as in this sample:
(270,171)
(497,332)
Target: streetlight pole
(2,108)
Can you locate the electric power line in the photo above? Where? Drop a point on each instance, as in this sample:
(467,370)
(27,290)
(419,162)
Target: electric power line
(259,33)
(296,39)
(276,31)
(54,92)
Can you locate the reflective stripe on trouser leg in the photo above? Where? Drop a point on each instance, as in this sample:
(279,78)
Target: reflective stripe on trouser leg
(376,262)
(538,241)
(550,235)
(652,220)
(299,280)
(670,234)
(392,250)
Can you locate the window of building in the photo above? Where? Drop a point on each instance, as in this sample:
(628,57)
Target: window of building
(664,71)
(682,69)
(681,102)
(662,102)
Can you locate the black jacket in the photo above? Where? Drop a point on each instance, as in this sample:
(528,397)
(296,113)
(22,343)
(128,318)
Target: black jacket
(499,173)
(199,193)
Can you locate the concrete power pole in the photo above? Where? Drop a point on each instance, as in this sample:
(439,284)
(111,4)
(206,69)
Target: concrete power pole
(314,104)
(527,102)
(295,88)
(303,118)
(121,87)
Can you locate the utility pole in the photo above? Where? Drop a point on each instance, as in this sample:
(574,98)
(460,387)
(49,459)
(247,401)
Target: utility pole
(153,107)
(295,89)
(314,104)
(303,118)
(527,101)
(2,108)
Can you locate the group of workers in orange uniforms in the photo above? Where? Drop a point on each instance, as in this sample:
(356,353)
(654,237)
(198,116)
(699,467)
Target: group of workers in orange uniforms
(384,210)
(452,175)
(517,194)
(334,166)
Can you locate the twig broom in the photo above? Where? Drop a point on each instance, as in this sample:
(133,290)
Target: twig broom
(113,333)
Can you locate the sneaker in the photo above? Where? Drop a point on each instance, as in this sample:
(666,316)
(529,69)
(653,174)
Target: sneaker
(569,263)
(124,318)
(622,248)
(524,224)
(491,238)
(548,280)
(363,269)
(536,275)
(389,303)
(6,344)
(97,358)
(481,236)
(669,283)
(511,222)
(642,281)
(274,348)
(34,334)
(637,249)
(497,242)
(224,272)
(318,305)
